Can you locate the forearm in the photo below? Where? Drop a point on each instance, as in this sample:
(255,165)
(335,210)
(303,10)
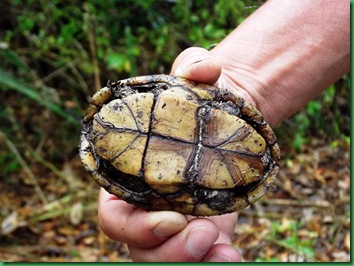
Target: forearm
(286,53)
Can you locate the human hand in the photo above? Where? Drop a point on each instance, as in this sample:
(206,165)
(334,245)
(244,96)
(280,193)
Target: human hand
(167,236)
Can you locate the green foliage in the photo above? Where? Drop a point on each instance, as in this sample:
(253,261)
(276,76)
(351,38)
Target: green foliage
(267,260)
(292,240)
(286,236)
(126,37)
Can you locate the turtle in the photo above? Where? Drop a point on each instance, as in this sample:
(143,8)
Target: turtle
(162,142)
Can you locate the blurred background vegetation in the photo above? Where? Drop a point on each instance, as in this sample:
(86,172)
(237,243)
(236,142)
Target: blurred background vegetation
(55,54)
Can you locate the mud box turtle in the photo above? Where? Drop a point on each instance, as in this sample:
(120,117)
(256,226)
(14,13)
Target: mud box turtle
(165,143)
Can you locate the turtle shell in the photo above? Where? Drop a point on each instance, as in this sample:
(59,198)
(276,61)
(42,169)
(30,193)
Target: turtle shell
(162,142)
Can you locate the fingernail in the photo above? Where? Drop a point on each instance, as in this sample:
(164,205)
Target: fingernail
(181,70)
(199,240)
(166,223)
(168,228)
(219,258)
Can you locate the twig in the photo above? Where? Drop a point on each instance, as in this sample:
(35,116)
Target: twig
(59,207)
(91,38)
(267,215)
(25,167)
(77,73)
(59,71)
(47,164)
(300,203)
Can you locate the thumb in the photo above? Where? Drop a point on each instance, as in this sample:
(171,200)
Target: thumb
(197,64)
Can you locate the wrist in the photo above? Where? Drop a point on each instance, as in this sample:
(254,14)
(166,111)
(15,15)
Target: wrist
(280,65)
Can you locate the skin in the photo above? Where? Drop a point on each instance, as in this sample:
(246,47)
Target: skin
(282,56)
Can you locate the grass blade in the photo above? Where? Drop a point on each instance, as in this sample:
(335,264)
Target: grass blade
(10,82)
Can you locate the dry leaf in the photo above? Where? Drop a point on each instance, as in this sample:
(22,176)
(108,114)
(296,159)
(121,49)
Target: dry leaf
(76,213)
(9,224)
(347,241)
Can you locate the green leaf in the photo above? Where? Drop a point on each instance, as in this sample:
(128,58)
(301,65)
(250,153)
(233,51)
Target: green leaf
(26,24)
(118,61)
(9,56)
(313,108)
(299,141)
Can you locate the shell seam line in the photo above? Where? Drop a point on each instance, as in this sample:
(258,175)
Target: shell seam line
(148,136)
(132,115)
